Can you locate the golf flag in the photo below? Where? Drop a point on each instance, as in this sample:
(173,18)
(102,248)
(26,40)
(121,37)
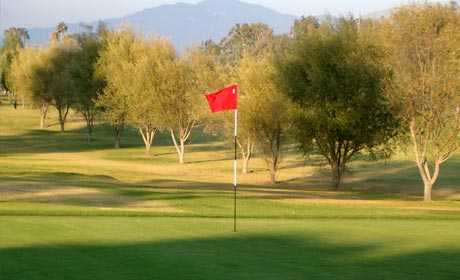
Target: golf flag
(226,99)
(223,100)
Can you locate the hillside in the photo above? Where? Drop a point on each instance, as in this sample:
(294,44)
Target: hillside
(188,24)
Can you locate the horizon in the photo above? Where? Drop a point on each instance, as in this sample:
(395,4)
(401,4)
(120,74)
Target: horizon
(12,12)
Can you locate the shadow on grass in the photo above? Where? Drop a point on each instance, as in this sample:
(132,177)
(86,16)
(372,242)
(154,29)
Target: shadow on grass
(383,180)
(239,257)
(76,189)
(100,190)
(49,141)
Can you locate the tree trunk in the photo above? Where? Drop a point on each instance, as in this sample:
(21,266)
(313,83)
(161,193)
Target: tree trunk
(246,153)
(148,134)
(62,124)
(117,141)
(43,115)
(246,164)
(117,131)
(180,147)
(273,174)
(337,175)
(62,117)
(89,128)
(182,152)
(428,187)
(428,175)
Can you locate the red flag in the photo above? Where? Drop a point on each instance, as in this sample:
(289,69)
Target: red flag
(224,99)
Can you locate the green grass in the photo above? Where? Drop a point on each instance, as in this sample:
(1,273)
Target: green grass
(73,210)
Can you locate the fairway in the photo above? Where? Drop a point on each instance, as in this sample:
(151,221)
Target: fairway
(72,210)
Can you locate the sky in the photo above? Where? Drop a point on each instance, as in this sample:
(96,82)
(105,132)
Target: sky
(45,13)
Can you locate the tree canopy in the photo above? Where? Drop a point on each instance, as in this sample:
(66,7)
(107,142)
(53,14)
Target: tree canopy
(338,83)
(423,42)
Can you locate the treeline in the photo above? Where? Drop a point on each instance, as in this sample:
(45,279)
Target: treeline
(337,87)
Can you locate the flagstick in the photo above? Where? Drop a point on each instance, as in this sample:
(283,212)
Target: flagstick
(235,170)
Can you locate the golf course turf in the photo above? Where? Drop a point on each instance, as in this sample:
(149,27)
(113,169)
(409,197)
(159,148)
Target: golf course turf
(73,210)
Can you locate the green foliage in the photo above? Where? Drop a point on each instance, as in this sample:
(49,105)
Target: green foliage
(263,109)
(304,26)
(423,44)
(14,40)
(59,34)
(88,85)
(57,76)
(245,38)
(22,76)
(113,66)
(337,81)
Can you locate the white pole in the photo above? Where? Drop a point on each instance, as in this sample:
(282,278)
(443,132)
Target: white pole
(235,163)
(235,167)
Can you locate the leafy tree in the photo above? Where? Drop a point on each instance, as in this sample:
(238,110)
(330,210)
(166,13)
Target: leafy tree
(56,74)
(46,78)
(243,38)
(26,83)
(14,40)
(211,48)
(53,78)
(88,85)
(114,65)
(59,34)
(178,105)
(304,25)
(115,110)
(138,73)
(338,83)
(264,110)
(184,82)
(151,70)
(424,44)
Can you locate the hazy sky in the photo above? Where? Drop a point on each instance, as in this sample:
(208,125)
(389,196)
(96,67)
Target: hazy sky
(44,13)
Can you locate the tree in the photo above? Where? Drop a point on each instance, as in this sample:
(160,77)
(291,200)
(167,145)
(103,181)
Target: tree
(114,66)
(264,110)
(88,85)
(242,41)
(139,73)
(14,40)
(181,100)
(304,25)
(423,41)
(337,81)
(243,38)
(59,34)
(153,76)
(26,83)
(114,108)
(58,80)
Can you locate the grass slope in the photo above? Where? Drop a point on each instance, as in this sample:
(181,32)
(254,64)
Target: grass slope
(72,210)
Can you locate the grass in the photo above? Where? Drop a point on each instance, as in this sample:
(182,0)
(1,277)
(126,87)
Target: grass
(73,210)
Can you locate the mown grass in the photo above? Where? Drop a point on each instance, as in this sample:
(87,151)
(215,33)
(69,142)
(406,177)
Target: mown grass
(73,210)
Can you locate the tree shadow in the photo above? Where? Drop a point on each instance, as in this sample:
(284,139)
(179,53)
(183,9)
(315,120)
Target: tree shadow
(239,257)
(75,140)
(382,180)
(75,189)
(48,141)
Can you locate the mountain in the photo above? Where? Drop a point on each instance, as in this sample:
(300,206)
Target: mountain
(188,24)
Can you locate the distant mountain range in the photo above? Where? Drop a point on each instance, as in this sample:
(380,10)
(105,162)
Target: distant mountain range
(187,24)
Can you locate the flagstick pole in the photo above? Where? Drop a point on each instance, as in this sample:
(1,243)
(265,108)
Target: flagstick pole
(235,170)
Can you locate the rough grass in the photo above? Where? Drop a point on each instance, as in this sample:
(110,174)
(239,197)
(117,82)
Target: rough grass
(73,210)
